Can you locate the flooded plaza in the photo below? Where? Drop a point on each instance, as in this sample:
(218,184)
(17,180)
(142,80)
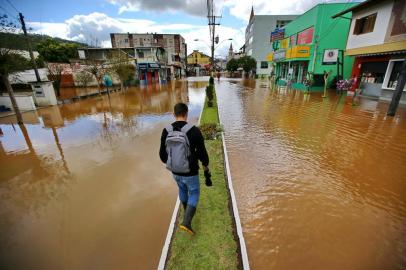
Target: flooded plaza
(320,184)
(81,184)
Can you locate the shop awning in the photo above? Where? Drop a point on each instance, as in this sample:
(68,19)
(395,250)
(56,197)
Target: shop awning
(149,66)
(386,48)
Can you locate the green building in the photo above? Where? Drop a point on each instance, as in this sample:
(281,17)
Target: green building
(314,43)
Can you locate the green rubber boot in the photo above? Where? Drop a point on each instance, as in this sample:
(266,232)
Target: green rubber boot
(187,219)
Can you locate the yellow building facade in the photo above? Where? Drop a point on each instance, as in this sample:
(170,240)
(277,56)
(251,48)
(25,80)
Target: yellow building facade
(198,58)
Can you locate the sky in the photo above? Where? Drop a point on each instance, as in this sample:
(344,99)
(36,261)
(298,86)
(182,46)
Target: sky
(91,21)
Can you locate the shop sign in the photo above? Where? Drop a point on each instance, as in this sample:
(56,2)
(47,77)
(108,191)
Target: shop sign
(299,52)
(279,55)
(278,34)
(285,43)
(269,57)
(305,37)
(330,57)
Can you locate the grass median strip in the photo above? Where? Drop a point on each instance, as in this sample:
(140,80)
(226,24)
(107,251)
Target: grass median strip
(213,246)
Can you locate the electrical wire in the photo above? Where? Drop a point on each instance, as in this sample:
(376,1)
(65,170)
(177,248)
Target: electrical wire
(7,12)
(13,6)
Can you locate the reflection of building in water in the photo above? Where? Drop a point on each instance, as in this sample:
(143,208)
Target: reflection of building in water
(52,117)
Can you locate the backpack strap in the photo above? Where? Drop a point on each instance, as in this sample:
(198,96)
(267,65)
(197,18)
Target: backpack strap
(186,128)
(169,128)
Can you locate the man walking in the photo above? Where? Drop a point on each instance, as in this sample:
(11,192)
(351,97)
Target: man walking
(182,146)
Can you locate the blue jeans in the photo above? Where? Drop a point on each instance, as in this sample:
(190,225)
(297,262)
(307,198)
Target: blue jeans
(189,189)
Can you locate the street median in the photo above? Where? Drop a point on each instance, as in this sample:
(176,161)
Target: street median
(218,242)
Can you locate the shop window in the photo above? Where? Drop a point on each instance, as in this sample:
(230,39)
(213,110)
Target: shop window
(365,25)
(264,64)
(392,76)
(373,72)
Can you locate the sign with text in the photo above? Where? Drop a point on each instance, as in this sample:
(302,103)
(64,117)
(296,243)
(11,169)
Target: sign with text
(305,37)
(278,34)
(330,57)
(285,43)
(299,52)
(279,55)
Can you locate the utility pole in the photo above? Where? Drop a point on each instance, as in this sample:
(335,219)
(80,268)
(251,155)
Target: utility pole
(398,91)
(212,26)
(29,47)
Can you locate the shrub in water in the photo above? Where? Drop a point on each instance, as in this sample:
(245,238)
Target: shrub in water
(211,80)
(210,130)
(210,95)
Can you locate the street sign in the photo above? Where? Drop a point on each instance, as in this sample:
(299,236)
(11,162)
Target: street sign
(278,34)
(330,57)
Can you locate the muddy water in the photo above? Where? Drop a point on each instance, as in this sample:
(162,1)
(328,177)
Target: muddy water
(82,186)
(320,184)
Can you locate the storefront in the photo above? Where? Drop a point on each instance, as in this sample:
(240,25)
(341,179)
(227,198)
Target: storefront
(149,72)
(377,75)
(301,48)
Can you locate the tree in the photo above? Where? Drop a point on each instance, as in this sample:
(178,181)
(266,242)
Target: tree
(247,63)
(120,64)
(52,51)
(55,71)
(98,72)
(232,65)
(84,77)
(10,62)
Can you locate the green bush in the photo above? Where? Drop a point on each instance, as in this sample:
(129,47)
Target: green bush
(210,131)
(210,92)
(211,81)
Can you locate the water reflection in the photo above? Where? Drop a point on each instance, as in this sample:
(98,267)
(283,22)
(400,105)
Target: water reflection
(319,182)
(82,186)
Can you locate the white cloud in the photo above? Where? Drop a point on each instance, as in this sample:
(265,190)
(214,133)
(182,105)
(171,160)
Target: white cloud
(192,7)
(98,26)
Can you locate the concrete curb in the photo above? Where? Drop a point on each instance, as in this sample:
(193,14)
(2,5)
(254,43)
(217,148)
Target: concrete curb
(171,229)
(243,247)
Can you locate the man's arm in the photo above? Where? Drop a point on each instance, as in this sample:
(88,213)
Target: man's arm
(201,149)
(162,149)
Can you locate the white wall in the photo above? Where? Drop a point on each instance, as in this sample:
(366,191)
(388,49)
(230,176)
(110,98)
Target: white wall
(24,102)
(377,37)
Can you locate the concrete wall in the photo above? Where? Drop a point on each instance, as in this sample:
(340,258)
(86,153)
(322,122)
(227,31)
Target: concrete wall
(263,25)
(377,36)
(24,102)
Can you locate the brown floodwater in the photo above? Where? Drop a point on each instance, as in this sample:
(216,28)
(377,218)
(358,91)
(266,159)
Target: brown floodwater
(320,184)
(82,186)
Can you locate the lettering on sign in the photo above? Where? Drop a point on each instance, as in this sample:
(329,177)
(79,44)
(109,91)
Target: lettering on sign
(305,37)
(330,57)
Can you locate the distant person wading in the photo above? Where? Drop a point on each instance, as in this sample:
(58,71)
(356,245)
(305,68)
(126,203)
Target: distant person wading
(182,146)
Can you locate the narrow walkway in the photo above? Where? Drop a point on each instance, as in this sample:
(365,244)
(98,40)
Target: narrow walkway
(214,245)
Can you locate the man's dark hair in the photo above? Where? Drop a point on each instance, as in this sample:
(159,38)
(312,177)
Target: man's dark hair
(180,109)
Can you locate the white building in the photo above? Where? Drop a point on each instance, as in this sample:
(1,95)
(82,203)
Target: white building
(257,37)
(377,40)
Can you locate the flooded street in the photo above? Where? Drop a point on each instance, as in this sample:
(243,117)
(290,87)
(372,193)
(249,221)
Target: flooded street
(320,184)
(82,186)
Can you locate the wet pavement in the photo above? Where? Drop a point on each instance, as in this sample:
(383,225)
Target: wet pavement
(81,184)
(320,184)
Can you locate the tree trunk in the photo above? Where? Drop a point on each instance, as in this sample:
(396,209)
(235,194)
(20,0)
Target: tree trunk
(12,98)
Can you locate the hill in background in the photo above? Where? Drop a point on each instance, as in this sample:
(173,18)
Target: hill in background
(17,41)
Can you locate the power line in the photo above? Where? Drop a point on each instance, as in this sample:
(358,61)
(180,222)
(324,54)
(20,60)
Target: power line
(13,6)
(7,12)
